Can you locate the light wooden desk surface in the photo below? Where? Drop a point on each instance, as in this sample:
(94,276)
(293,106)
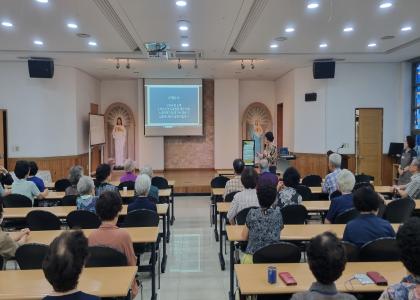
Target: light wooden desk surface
(252,278)
(295,232)
(379,188)
(137,234)
(63,211)
(127,194)
(31,284)
(117,182)
(217,191)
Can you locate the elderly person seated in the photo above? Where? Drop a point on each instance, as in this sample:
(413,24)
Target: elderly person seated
(345,183)
(130,168)
(103,176)
(287,188)
(142,200)
(86,190)
(411,189)
(74,175)
(154,191)
(33,167)
(266,177)
(235,184)
(334,165)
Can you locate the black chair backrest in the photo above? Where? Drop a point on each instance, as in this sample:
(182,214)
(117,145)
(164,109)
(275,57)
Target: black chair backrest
(352,251)
(100,256)
(382,249)
(42,220)
(160,182)
(294,214)
(364,178)
(282,252)
(128,184)
(16,200)
(68,200)
(30,256)
(61,185)
(335,194)
(240,218)
(304,191)
(312,180)
(83,219)
(141,218)
(219,182)
(398,211)
(1,262)
(229,197)
(346,216)
(361,184)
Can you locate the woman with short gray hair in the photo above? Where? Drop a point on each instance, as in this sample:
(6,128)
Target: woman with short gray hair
(154,191)
(142,200)
(74,175)
(86,190)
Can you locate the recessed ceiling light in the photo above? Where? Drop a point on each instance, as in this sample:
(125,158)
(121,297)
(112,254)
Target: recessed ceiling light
(273,46)
(183,27)
(38,42)
(348,29)
(181,3)
(42,1)
(385,5)
(406,28)
(185,45)
(323,45)
(6,24)
(93,43)
(312,5)
(72,26)
(371,45)
(289,29)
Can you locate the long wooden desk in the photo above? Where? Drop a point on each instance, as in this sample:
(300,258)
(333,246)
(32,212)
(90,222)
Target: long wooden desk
(124,194)
(31,284)
(382,189)
(252,279)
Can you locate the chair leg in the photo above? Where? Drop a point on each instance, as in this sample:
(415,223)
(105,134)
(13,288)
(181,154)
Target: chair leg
(159,268)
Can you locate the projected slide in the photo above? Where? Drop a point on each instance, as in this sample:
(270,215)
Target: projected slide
(173,107)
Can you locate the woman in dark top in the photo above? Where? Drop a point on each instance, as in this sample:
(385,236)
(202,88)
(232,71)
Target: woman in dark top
(406,158)
(63,264)
(142,200)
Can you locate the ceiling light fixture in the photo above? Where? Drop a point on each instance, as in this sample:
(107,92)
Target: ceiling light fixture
(323,45)
(313,5)
(181,3)
(273,46)
(183,25)
(38,42)
(406,28)
(128,64)
(185,45)
(289,29)
(42,1)
(386,4)
(179,64)
(92,43)
(195,64)
(371,45)
(6,24)
(252,65)
(72,25)
(117,66)
(348,29)
(242,65)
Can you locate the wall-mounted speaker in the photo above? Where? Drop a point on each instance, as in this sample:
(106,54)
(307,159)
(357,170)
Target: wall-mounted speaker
(41,68)
(324,69)
(310,97)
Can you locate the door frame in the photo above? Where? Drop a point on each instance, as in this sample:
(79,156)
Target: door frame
(280,137)
(4,112)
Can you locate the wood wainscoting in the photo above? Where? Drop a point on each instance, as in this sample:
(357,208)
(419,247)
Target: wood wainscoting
(312,163)
(58,165)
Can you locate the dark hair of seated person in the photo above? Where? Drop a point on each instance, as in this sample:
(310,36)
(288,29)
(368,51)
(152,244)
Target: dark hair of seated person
(238,165)
(21,169)
(291,177)
(408,240)
(102,172)
(366,200)
(326,257)
(359,185)
(108,205)
(249,178)
(269,136)
(266,195)
(33,168)
(65,260)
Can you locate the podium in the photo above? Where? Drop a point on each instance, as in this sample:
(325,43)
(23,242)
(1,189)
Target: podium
(344,160)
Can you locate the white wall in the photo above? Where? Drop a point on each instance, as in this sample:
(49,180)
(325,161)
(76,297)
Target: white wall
(226,122)
(285,93)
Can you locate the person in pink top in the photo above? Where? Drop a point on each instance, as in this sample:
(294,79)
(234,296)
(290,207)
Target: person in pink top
(108,207)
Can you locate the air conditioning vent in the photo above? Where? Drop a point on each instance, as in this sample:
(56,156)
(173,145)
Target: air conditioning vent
(187,55)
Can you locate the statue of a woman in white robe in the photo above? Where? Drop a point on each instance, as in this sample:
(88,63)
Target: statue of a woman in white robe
(119,134)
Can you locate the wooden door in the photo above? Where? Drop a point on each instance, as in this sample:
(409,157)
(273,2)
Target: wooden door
(279,125)
(3,145)
(369,142)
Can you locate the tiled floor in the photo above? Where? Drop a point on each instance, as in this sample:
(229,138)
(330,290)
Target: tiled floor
(193,269)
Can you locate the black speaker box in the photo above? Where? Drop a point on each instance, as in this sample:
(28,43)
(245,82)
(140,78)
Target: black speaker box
(41,68)
(310,97)
(323,69)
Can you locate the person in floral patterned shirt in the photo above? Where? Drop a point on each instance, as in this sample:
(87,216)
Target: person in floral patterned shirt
(270,151)
(408,240)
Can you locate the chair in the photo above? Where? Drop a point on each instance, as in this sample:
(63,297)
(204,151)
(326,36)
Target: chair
(160,182)
(128,184)
(335,194)
(240,218)
(352,251)
(382,249)
(61,185)
(304,191)
(364,178)
(359,185)
(31,256)
(100,256)
(398,211)
(219,182)
(83,219)
(1,263)
(294,214)
(282,252)
(42,220)
(346,216)
(216,182)
(229,197)
(16,200)
(312,180)
(68,200)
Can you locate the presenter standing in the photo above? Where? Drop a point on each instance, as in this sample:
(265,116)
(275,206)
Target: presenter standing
(119,134)
(270,151)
